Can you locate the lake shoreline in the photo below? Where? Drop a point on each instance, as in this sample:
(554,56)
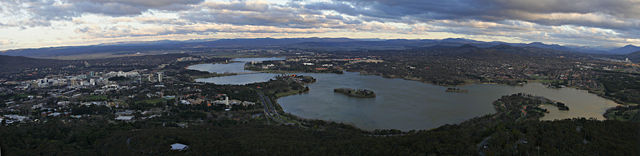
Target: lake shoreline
(312,91)
(540,86)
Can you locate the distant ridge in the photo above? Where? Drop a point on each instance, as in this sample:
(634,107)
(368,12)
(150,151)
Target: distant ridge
(302,43)
(625,50)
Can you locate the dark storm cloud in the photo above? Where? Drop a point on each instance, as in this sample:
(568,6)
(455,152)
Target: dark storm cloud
(130,7)
(42,12)
(262,14)
(404,8)
(585,22)
(612,14)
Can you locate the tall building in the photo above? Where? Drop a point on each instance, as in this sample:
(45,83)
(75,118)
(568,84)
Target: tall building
(150,78)
(159,76)
(74,82)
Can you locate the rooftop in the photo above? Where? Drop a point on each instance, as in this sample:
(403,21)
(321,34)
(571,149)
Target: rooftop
(179,147)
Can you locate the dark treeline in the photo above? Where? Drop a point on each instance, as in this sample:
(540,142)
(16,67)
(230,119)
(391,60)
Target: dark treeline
(622,87)
(228,137)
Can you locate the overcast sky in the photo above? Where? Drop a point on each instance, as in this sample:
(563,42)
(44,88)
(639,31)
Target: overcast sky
(44,23)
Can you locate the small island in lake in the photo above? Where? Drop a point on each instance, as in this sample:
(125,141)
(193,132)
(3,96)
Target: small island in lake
(456,90)
(361,93)
(561,106)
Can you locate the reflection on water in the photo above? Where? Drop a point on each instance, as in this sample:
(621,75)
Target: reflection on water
(406,105)
(237,66)
(242,79)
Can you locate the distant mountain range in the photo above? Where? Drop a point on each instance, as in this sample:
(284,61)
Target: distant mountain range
(343,44)
(625,50)
(451,47)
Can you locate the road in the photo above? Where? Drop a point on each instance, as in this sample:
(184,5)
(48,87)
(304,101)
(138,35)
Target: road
(270,110)
(482,144)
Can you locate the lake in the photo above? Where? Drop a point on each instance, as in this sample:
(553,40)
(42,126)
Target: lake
(403,104)
(236,66)
(408,105)
(241,79)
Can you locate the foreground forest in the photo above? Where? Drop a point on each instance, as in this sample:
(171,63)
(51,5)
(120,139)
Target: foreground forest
(511,131)
(567,137)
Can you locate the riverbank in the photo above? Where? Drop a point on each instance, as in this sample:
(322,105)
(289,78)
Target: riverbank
(543,81)
(600,93)
(459,84)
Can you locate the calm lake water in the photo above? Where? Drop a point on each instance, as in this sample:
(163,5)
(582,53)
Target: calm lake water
(237,66)
(406,105)
(403,104)
(241,79)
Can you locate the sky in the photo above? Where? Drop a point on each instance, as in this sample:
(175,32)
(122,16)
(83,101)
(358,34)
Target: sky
(49,23)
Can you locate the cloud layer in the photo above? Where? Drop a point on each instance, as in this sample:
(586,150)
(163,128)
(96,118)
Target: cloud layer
(68,22)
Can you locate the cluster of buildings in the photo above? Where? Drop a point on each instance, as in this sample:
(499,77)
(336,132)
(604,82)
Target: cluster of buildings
(310,61)
(9,119)
(91,79)
(223,100)
(65,91)
(155,78)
